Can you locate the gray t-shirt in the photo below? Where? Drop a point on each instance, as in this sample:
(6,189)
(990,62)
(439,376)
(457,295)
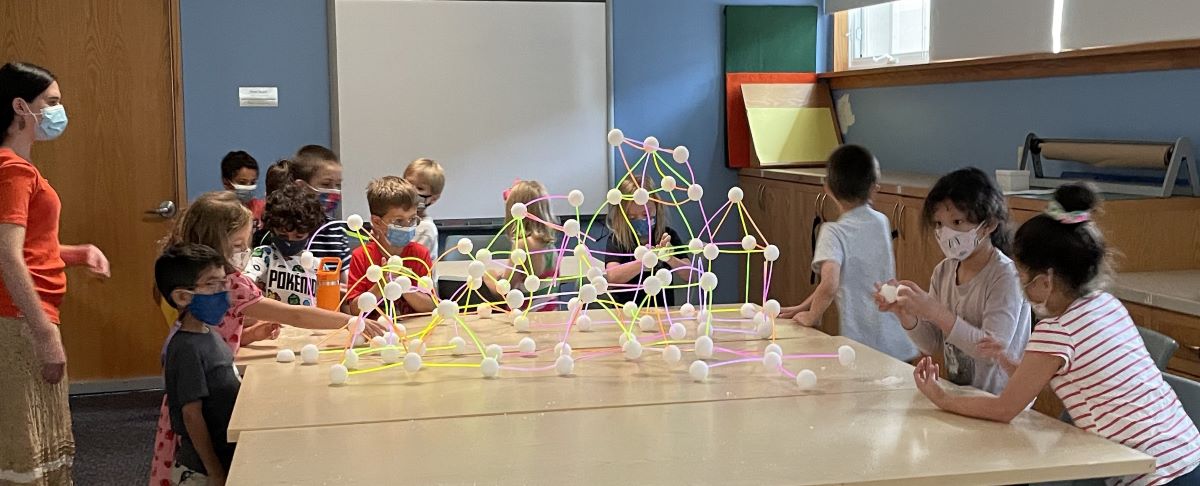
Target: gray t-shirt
(860,241)
(198,366)
(991,303)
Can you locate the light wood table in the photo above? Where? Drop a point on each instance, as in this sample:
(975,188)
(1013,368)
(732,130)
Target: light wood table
(883,437)
(546,328)
(278,396)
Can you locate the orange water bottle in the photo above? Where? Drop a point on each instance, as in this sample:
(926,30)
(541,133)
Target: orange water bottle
(329,283)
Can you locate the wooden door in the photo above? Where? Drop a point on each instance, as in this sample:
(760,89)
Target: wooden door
(117,63)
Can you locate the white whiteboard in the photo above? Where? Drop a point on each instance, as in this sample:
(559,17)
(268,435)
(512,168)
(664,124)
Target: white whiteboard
(492,90)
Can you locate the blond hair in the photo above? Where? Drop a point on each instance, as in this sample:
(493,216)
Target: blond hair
(210,220)
(428,172)
(617,220)
(389,192)
(524,192)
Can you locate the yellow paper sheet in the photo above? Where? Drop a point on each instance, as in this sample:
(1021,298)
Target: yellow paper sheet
(786,135)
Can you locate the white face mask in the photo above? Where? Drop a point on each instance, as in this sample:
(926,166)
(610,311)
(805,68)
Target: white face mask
(1040,309)
(957,245)
(240,259)
(244,193)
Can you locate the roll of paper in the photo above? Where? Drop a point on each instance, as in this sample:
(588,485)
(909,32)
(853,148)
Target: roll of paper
(1152,156)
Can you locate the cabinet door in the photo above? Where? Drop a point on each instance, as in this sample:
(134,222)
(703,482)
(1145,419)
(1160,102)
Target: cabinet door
(917,251)
(773,211)
(754,190)
(1186,331)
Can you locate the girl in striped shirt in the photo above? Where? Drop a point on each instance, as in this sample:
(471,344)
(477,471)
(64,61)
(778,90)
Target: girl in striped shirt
(1085,347)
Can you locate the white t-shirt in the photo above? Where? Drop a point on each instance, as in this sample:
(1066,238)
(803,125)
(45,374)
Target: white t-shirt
(427,236)
(282,279)
(861,242)
(1111,387)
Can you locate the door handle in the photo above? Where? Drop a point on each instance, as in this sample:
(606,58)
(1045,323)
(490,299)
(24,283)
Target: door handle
(165,210)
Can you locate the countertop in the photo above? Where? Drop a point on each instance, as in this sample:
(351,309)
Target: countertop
(1177,291)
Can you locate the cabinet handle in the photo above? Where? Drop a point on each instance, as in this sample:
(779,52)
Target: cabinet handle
(1194,349)
(762,190)
(900,220)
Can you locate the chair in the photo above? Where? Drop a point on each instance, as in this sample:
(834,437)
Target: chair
(1188,392)
(1160,346)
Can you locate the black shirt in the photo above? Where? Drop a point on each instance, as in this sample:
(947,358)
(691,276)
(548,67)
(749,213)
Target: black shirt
(199,367)
(626,255)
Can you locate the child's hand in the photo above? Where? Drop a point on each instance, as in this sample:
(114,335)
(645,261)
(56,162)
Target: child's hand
(664,241)
(926,375)
(913,301)
(374,328)
(990,348)
(894,307)
(260,331)
(807,318)
(789,312)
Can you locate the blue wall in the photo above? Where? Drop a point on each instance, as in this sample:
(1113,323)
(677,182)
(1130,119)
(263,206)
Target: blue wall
(232,43)
(668,81)
(938,128)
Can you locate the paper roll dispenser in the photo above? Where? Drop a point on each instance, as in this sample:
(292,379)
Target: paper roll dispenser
(1114,154)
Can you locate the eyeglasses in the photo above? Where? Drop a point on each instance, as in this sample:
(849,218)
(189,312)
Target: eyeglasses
(406,223)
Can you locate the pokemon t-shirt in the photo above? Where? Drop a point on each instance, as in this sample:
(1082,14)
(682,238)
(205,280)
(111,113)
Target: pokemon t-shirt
(281,278)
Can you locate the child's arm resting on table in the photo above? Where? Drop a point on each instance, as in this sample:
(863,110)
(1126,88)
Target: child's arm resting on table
(306,317)
(1031,376)
(822,297)
(197,429)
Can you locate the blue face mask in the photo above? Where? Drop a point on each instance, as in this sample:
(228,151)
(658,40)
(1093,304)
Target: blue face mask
(209,308)
(289,248)
(400,236)
(52,122)
(642,227)
(244,193)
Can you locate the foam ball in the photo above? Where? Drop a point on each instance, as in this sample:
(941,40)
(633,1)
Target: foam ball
(404,282)
(460,345)
(806,379)
(519,210)
(474,283)
(575,198)
(374,273)
(601,285)
(772,308)
(367,302)
(774,348)
(584,323)
(416,346)
(650,259)
(695,192)
(703,317)
(426,282)
(490,367)
(526,345)
(359,340)
(846,355)
(708,281)
(393,291)
(564,365)
(641,196)
(356,325)
(285,356)
(711,251)
(309,354)
(594,273)
(588,293)
(681,154)
(735,194)
(615,137)
(485,311)
(395,261)
(390,355)
(581,252)
(493,351)
(771,362)
(704,347)
(412,362)
(749,242)
(562,348)
(379,341)
(350,359)
(401,330)
(672,354)
(514,298)
(503,286)
(687,309)
(521,323)
(652,285)
(747,310)
(699,371)
(647,324)
(447,308)
(484,255)
(338,374)
(640,252)
(889,293)
(633,349)
(771,253)
(354,222)
(650,144)
(763,329)
(533,283)
(668,184)
(518,256)
(630,309)
(677,331)
(574,304)
(664,275)
(476,269)
(571,228)
(622,340)
(308,260)
(613,197)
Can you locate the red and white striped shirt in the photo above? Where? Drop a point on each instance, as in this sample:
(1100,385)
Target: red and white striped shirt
(1111,387)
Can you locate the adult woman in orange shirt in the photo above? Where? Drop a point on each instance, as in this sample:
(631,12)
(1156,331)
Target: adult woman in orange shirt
(38,447)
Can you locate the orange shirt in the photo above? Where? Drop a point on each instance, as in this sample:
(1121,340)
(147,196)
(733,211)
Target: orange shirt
(27,200)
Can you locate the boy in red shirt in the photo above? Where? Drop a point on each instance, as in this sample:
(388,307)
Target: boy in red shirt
(393,204)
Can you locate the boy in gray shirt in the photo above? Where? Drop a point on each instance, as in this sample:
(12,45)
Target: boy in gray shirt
(852,255)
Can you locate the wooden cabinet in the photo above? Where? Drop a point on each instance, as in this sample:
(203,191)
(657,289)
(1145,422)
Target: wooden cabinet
(1185,329)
